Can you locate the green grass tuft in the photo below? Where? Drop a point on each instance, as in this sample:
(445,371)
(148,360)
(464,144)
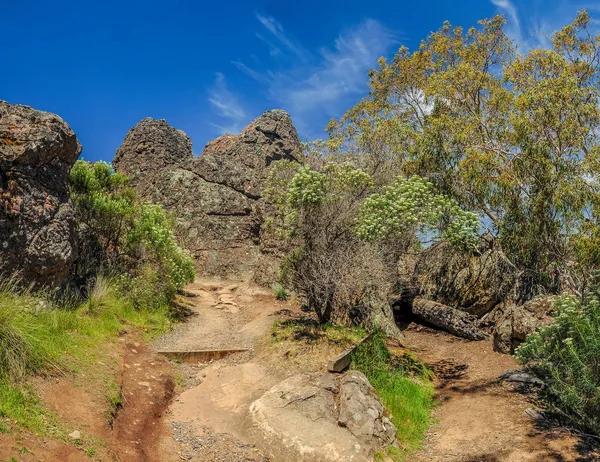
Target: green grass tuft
(310,331)
(404,386)
(20,406)
(37,335)
(280,292)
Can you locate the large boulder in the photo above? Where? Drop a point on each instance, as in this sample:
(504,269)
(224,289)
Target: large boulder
(322,417)
(216,198)
(149,147)
(471,282)
(37,221)
(512,324)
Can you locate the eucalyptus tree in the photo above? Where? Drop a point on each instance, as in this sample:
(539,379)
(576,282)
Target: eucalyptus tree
(511,136)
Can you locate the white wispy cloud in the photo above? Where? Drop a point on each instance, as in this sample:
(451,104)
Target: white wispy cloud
(341,71)
(256,75)
(514,24)
(273,50)
(276,29)
(534,28)
(227,106)
(312,87)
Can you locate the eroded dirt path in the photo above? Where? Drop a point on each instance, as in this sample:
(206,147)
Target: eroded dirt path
(208,418)
(133,430)
(481,418)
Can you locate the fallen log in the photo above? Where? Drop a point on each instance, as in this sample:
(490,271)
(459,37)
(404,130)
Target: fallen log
(456,322)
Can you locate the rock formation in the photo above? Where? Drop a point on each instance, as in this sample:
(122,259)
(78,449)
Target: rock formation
(512,324)
(215,198)
(322,417)
(37,151)
(465,281)
(149,147)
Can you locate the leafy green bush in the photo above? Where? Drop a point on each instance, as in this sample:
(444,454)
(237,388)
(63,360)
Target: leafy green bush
(410,202)
(120,235)
(162,267)
(345,233)
(566,355)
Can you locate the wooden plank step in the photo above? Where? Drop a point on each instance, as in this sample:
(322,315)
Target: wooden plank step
(343,360)
(200,356)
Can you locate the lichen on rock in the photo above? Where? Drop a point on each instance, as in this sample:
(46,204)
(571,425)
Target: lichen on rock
(216,198)
(37,221)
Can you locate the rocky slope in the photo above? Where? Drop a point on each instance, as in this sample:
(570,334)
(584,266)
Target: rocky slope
(37,150)
(215,198)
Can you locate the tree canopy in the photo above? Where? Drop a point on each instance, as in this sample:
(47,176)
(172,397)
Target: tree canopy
(509,135)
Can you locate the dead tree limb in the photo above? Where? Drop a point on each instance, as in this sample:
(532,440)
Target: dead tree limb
(449,319)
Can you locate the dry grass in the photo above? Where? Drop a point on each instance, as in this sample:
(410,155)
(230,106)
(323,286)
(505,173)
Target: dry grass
(301,343)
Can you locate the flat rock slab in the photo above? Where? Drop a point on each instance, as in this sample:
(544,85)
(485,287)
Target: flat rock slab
(321,417)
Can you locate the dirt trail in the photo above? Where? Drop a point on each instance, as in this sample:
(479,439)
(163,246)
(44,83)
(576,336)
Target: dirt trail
(208,418)
(479,417)
(225,315)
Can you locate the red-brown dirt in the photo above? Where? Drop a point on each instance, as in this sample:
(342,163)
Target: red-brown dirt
(137,433)
(479,417)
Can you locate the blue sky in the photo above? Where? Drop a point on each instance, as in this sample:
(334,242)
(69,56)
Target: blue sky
(212,67)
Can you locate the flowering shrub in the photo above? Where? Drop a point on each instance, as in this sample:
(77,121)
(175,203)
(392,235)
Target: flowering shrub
(344,233)
(411,202)
(566,355)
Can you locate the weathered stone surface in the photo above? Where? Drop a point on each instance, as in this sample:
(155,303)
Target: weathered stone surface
(521,376)
(37,151)
(362,413)
(322,417)
(215,198)
(471,283)
(515,323)
(148,148)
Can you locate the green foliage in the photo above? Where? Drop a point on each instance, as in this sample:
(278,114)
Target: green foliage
(19,405)
(306,188)
(18,354)
(102,199)
(411,202)
(280,292)
(163,267)
(566,355)
(512,137)
(344,233)
(403,384)
(36,335)
(119,235)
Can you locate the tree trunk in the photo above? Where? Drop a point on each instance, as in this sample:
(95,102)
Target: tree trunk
(449,319)
(382,317)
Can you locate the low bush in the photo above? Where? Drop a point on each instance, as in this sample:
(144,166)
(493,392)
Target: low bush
(566,355)
(121,235)
(404,386)
(344,234)
(280,292)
